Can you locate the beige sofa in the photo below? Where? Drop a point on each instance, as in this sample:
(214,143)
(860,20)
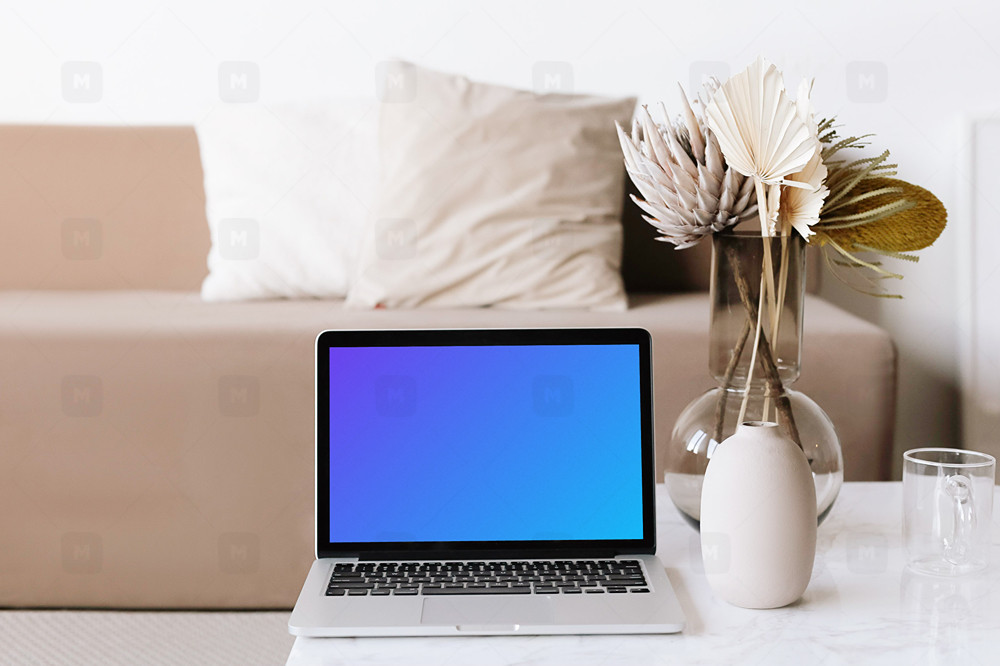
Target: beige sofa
(157,450)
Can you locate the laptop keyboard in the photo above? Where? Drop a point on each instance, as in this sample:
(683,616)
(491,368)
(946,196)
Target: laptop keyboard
(492,577)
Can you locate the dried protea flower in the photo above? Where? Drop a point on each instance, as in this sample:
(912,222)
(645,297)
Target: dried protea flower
(688,189)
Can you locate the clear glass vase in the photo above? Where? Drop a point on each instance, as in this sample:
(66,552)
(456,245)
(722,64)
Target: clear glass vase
(753,367)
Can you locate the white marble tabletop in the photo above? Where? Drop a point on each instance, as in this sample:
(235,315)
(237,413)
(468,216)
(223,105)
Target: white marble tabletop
(861,606)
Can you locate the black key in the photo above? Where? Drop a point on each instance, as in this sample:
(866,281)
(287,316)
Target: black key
(343,566)
(639,589)
(594,590)
(357,593)
(477,590)
(566,585)
(616,590)
(352,585)
(476,585)
(486,579)
(618,582)
(586,583)
(454,586)
(403,593)
(336,593)
(546,590)
(381,592)
(494,586)
(432,586)
(572,590)
(467,579)
(516,586)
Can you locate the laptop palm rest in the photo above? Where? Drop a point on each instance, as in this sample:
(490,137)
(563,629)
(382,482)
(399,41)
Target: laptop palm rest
(476,613)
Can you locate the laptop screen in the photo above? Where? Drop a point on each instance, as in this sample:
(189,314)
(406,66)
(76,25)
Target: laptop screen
(499,437)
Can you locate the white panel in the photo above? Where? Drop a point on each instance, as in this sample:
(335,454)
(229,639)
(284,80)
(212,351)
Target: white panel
(981,395)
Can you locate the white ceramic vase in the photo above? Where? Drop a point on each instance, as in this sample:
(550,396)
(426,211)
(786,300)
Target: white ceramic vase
(758,518)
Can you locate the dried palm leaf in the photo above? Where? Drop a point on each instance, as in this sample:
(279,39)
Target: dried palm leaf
(758,127)
(800,208)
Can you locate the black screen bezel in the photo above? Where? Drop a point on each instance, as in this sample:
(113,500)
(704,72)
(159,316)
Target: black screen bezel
(482,337)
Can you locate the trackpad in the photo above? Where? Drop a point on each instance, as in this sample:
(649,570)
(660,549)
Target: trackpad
(496,611)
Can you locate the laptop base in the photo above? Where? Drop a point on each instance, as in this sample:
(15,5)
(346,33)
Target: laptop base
(319,615)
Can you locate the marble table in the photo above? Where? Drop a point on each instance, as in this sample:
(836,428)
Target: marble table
(861,607)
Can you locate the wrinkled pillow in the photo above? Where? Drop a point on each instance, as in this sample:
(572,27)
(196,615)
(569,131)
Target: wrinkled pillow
(491,196)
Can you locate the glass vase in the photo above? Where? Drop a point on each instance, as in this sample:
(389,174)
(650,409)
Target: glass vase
(753,365)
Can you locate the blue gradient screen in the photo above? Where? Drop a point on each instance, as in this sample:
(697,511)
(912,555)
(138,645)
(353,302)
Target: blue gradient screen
(485,443)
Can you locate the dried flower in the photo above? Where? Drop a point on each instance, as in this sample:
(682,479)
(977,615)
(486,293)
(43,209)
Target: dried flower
(800,207)
(761,133)
(868,211)
(688,190)
(912,228)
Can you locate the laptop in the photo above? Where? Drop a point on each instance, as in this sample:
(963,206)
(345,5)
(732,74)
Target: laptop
(473,482)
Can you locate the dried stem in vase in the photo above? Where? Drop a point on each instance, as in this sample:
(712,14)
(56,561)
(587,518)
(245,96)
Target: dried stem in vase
(775,388)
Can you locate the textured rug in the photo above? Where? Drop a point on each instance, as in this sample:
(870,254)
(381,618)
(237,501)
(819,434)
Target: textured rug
(162,638)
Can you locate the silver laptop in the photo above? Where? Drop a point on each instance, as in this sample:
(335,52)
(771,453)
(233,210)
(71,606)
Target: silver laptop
(484,482)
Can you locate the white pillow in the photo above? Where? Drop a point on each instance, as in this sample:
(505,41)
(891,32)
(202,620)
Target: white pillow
(494,196)
(288,190)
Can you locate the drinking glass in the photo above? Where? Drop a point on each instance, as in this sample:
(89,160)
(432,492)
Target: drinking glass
(947,510)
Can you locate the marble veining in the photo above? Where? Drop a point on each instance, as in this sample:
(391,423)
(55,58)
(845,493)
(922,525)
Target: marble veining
(861,606)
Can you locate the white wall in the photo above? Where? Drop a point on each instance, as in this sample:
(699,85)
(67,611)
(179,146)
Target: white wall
(908,75)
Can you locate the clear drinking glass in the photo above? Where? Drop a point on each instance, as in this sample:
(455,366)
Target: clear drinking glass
(947,510)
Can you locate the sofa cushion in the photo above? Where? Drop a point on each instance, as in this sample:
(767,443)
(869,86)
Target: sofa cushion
(101,208)
(158,450)
(494,196)
(288,188)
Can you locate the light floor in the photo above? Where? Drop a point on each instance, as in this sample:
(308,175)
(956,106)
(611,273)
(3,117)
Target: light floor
(151,638)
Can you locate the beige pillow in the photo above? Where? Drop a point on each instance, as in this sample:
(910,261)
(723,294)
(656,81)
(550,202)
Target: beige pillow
(493,196)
